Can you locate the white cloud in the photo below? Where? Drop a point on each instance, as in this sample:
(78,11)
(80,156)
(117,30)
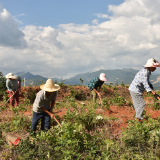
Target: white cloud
(95,21)
(20,14)
(10,34)
(129,37)
(100,15)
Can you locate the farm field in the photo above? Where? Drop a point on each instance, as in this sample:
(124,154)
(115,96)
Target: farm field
(88,131)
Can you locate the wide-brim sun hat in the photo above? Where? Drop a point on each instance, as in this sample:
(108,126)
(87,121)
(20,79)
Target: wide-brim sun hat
(49,86)
(152,63)
(11,75)
(103,77)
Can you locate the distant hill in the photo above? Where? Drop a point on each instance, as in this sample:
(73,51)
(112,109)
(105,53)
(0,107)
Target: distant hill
(115,76)
(30,79)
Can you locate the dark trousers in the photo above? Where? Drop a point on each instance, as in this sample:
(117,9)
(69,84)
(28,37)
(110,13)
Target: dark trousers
(45,121)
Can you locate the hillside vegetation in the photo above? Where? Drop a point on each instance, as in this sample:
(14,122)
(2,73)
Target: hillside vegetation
(88,132)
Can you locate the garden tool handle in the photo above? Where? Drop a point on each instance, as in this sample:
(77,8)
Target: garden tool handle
(57,121)
(8,100)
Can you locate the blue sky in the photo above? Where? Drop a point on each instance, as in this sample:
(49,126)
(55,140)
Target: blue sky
(55,12)
(56,38)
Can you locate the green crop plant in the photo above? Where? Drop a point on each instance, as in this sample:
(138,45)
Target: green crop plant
(69,142)
(156,104)
(104,88)
(21,108)
(15,110)
(115,88)
(5,98)
(20,123)
(61,84)
(26,101)
(2,84)
(120,101)
(130,103)
(113,118)
(122,84)
(84,134)
(17,124)
(105,103)
(81,80)
(138,134)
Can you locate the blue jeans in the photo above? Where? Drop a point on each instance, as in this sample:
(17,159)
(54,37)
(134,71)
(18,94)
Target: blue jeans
(45,121)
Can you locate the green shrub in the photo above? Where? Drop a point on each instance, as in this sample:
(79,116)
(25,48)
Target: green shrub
(156,105)
(2,84)
(105,103)
(138,134)
(122,84)
(69,142)
(104,88)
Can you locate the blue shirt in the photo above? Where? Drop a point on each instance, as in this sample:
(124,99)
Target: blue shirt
(12,85)
(95,83)
(141,81)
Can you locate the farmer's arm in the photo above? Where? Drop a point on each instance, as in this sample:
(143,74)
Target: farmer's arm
(98,95)
(145,80)
(96,91)
(153,92)
(54,96)
(52,105)
(147,85)
(49,113)
(8,85)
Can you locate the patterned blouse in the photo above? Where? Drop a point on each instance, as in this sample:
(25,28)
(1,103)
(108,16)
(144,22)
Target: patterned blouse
(95,83)
(141,81)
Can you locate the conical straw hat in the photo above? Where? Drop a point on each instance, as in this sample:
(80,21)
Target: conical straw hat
(11,75)
(49,86)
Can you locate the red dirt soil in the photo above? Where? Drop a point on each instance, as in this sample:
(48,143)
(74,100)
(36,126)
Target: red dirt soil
(118,115)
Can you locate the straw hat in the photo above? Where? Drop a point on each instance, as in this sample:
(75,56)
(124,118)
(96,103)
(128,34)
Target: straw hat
(50,86)
(103,77)
(152,63)
(11,75)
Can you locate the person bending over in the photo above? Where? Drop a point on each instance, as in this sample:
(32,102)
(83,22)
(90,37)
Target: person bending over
(43,105)
(139,84)
(95,86)
(13,84)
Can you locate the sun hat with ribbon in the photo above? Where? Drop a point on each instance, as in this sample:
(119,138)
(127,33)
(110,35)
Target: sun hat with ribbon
(152,63)
(49,86)
(11,75)
(103,77)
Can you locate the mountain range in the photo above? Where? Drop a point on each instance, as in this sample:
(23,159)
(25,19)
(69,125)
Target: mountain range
(116,76)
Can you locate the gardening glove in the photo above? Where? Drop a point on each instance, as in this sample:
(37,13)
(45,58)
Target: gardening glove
(156,96)
(151,86)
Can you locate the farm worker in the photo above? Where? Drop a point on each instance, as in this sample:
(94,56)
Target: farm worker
(13,84)
(95,86)
(139,84)
(43,105)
